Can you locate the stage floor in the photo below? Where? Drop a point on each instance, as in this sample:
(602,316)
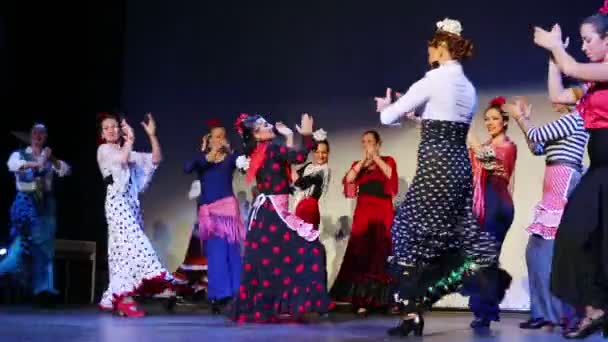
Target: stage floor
(87,324)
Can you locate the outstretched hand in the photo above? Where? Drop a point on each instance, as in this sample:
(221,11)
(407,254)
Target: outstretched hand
(383,102)
(306,125)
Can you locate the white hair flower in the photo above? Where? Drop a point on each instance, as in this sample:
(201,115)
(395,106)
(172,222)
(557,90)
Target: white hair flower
(242,162)
(450,25)
(319,135)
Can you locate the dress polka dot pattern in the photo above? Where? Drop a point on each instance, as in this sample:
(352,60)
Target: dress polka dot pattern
(133,265)
(283,273)
(436,215)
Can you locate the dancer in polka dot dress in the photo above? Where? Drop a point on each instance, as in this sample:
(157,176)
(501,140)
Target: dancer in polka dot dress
(134,267)
(284,262)
(437,243)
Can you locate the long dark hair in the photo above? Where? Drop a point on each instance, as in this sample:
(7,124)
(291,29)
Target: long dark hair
(599,21)
(245,125)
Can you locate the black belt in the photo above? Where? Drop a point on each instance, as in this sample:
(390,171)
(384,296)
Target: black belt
(373,188)
(570,164)
(108,180)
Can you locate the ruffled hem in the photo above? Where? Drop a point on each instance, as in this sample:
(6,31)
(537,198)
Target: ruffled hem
(547,217)
(253,308)
(547,233)
(367,292)
(146,287)
(545,222)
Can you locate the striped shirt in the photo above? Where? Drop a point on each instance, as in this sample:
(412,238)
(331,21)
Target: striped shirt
(562,140)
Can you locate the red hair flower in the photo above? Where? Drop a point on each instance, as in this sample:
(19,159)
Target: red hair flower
(498,101)
(213,123)
(604,9)
(239,120)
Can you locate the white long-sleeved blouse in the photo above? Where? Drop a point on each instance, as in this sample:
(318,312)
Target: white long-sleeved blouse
(444,93)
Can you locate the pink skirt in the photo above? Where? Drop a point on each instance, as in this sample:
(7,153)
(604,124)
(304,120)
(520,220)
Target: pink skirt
(558,182)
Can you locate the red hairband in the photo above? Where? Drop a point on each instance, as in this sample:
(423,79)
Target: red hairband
(213,123)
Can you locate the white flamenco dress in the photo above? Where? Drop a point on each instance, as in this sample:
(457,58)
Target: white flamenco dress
(134,266)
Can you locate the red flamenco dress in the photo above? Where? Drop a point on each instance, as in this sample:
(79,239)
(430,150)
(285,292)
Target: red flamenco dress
(284,263)
(362,279)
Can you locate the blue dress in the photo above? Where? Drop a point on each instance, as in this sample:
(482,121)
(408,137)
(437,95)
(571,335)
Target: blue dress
(220,233)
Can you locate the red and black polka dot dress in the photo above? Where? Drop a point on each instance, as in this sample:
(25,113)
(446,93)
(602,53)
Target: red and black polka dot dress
(284,263)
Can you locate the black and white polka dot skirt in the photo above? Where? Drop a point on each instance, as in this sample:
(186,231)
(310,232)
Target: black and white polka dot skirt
(436,216)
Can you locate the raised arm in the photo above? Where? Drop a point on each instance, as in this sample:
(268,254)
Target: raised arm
(353,172)
(125,151)
(149,126)
(536,147)
(552,42)
(289,153)
(561,128)
(555,85)
(415,97)
(591,72)
(520,110)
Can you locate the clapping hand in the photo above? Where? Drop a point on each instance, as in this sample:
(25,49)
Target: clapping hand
(127,131)
(549,39)
(204,143)
(519,107)
(149,125)
(283,129)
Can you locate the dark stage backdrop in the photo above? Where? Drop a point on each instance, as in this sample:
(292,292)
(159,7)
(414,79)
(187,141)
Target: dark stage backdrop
(60,62)
(188,61)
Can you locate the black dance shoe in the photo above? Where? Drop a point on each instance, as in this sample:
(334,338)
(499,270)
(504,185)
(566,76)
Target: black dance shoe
(218,305)
(595,325)
(480,323)
(46,300)
(407,326)
(533,324)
